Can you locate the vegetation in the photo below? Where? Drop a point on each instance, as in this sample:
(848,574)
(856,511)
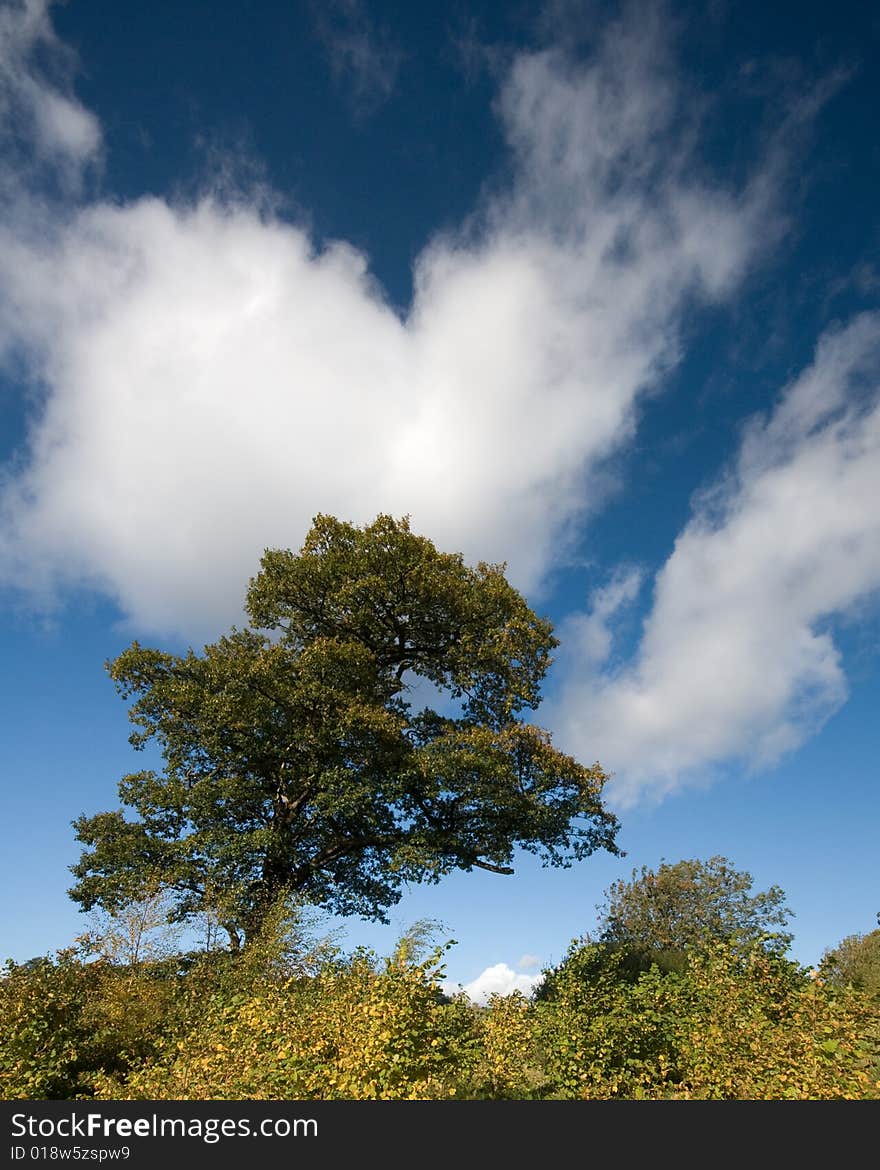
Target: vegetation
(294,762)
(676,907)
(293,1017)
(855,962)
(732,1024)
(299,774)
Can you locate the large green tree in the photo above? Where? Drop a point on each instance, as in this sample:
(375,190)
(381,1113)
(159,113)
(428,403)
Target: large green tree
(296,762)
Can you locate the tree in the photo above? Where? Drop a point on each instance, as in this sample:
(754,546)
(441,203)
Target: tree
(856,961)
(135,933)
(295,762)
(679,906)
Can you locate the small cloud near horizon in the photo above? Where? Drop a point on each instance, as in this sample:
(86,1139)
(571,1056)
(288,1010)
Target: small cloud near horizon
(498,979)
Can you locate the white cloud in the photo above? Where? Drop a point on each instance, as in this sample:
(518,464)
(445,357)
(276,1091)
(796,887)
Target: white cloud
(38,108)
(736,659)
(496,980)
(588,636)
(212,381)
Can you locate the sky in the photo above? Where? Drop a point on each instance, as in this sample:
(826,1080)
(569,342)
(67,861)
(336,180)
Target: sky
(589,288)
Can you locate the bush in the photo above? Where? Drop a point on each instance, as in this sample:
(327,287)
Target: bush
(353,1031)
(731,1025)
(67,1024)
(286,1020)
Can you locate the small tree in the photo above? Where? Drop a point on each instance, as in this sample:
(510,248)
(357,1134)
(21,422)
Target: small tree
(294,762)
(135,933)
(676,907)
(855,961)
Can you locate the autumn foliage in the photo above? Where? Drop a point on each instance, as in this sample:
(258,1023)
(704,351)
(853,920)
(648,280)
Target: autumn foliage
(306,1021)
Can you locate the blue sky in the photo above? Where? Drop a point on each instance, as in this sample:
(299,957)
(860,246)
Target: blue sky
(590,288)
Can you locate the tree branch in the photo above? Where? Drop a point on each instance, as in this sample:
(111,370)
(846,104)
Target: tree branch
(505,869)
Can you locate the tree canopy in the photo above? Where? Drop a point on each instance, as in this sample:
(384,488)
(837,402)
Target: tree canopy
(676,907)
(856,961)
(296,761)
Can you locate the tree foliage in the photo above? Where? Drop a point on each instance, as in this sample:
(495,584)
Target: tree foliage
(296,761)
(855,961)
(69,1023)
(676,907)
(292,1017)
(735,1023)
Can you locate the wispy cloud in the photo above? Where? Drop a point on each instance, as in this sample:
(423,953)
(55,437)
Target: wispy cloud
(213,380)
(364,59)
(737,659)
(588,637)
(42,124)
(528,962)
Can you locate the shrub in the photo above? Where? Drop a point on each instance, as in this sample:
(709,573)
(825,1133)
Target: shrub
(731,1025)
